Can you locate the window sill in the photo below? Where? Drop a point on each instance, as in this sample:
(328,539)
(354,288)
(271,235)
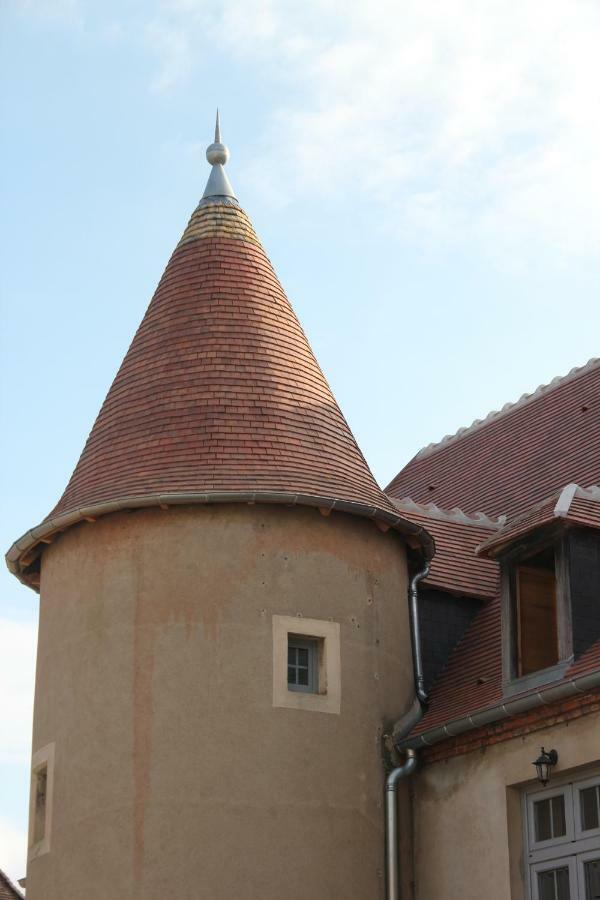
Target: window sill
(536,679)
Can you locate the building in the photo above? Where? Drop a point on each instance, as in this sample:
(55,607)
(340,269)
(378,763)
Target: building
(510,620)
(9,891)
(234,697)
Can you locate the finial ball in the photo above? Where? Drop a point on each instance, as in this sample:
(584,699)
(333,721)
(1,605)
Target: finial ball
(217,154)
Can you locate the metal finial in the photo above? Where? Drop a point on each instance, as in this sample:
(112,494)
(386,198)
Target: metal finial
(217,154)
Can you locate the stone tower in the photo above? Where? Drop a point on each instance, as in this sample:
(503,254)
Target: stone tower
(223,617)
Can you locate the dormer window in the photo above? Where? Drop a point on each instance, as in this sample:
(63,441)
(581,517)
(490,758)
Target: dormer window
(536,614)
(550,611)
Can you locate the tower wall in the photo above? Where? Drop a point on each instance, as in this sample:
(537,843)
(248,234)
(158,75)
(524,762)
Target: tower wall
(174,773)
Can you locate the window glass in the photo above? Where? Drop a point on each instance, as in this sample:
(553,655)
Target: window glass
(549,817)
(589,800)
(302,664)
(591,869)
(554,884)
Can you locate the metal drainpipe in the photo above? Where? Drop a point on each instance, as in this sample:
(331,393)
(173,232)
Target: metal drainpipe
(401,729)
(416,633)
(391,815)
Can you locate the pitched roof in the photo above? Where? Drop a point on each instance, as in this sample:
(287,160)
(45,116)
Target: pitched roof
(575,505)
(456,568)
(9,891)
(515,465)
(219,399)
(516,457)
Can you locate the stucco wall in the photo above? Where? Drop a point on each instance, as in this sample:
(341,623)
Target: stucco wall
(467,812)
(174,773)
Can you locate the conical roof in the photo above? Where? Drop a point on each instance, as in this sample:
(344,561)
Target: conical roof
(219,398)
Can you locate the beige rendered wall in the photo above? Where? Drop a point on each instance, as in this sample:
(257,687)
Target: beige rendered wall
(467,812)
(174,773)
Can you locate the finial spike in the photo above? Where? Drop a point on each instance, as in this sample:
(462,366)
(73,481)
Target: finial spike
(217,154)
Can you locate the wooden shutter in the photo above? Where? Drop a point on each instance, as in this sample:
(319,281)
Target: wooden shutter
(536,616)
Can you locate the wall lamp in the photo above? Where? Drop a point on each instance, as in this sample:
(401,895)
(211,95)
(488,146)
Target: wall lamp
(544,765)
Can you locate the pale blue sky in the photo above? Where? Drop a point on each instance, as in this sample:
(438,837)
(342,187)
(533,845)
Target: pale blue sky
(423,176)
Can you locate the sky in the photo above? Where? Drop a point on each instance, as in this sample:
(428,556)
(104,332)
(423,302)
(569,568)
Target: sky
(423,175)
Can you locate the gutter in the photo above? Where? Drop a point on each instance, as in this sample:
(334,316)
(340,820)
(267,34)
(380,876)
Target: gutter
(28,547)
(543,697)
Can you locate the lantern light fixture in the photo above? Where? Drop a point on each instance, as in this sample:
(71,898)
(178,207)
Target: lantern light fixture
(544,765)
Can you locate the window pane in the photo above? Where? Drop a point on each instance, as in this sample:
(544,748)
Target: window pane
(559,825)
(291,655)
(563,891)
(302,656)
(590,814)
(543,820)
(549,818)
(592,879)
(302,676)
(291,675)
(554,884)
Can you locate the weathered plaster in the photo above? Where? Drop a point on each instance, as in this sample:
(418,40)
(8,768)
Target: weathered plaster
(175,774)
(467,809)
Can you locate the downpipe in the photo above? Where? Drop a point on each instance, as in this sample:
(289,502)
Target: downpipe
(391,816)
(401,729)
(416,633)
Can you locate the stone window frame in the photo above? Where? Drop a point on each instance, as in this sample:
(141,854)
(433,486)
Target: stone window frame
(327,697)
(41,759)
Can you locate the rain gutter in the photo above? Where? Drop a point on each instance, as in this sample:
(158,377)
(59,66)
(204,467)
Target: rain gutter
(570,687)
(28,547)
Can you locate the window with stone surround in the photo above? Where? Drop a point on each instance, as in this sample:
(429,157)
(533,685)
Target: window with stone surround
(40,807)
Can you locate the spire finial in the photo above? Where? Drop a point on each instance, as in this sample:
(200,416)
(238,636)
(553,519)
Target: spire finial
(217,154)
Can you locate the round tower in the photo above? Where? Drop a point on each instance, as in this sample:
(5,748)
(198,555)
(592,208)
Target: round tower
(223,619)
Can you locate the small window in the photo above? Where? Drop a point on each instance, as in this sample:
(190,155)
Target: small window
(307,667)
(537,633)
(40,808)
(303,664)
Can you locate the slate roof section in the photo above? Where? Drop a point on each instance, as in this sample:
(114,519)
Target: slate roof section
(517,457)
(8,890)
(219,398)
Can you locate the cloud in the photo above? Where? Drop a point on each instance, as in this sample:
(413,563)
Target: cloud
(469,121)
(17,678)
